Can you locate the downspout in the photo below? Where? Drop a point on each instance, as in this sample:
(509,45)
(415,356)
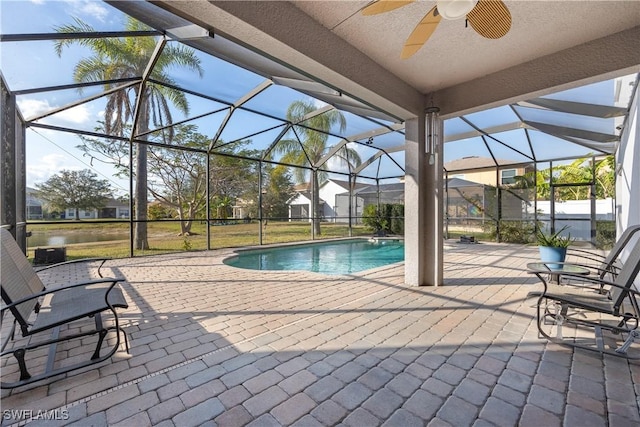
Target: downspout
(260,202)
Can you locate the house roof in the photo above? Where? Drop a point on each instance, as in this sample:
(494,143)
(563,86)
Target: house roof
(115,203)
(459,183)
(399,186)
(474,162)
(345,184)
(305,187)
(302,187)
(370,189)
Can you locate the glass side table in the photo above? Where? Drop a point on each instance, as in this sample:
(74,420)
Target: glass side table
(555,273)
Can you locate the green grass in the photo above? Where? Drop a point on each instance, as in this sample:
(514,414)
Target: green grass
(164,236)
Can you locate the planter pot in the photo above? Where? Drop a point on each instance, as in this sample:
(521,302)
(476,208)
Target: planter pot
(550,255)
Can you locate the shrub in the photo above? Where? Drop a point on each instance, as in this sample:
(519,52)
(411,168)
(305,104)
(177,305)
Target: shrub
(605,234)
(370,217)
(512,231)
(389,218)
(397,219)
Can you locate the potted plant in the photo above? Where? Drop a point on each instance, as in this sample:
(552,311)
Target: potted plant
(553,247)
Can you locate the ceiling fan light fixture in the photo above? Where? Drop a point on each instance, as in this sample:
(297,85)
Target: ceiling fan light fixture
(455,9)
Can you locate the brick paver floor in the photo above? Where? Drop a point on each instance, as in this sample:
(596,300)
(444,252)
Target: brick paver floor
(217,345)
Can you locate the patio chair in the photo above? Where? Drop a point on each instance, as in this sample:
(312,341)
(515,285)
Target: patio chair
(603,266)
(608,264)
(36,310)
(612,317)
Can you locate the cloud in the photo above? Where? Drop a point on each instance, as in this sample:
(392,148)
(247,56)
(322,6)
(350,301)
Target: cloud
(34,107)
(46,166)
(93,9)
(78,114)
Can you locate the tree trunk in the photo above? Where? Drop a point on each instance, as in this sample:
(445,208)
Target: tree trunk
(141,241)
(186,228)
(185,223)
(140,235)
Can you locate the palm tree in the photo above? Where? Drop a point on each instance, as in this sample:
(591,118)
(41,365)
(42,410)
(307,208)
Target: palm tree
(122,58)
(606,177)
(223,205)
(310,146)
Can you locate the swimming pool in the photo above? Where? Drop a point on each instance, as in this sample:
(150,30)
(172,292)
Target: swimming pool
(337,257)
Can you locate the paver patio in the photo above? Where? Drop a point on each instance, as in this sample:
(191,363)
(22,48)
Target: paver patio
(216,345)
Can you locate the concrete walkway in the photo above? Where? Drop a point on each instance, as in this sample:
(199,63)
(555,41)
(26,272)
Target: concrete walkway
(215,345)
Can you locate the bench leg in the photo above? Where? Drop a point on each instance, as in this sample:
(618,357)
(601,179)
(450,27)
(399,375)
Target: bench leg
(630,339)
(559,318)
(19,355)
(101,335)
(126,340)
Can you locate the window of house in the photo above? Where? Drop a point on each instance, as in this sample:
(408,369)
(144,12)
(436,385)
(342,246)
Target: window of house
(508,176)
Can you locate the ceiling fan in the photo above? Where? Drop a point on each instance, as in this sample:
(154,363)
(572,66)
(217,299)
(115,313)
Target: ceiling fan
(489,18)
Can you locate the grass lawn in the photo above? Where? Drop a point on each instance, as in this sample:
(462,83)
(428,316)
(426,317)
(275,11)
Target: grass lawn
(163,236)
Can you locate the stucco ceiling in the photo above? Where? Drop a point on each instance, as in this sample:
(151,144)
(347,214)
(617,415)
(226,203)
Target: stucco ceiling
(455,54)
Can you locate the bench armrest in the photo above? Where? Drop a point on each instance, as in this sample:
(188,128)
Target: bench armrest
(592,280)
(66,288)
(594,256)
(75,261)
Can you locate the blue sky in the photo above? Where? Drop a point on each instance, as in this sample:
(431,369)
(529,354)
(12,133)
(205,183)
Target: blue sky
(34,64)
(48,151)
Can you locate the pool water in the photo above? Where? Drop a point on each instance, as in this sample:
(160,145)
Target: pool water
(341,257)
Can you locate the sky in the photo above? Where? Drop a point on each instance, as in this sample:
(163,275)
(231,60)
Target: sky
(48,151)
(34,64)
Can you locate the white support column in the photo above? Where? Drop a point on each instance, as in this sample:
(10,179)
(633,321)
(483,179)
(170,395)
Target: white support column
(628,173)
(415,236)
(423,201)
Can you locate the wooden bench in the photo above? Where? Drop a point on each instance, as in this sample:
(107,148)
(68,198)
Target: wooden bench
(36,310)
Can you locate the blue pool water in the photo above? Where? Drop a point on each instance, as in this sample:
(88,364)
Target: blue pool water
(341,257)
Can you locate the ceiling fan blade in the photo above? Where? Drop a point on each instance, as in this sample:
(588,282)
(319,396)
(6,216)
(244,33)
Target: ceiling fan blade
(382,6)
(421,33)
(490,19)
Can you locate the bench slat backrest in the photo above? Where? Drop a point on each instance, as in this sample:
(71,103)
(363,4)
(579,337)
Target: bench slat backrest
(19,279)
(626,277)
(611,259)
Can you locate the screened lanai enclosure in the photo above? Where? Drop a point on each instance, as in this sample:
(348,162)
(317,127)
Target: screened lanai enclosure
(144,133)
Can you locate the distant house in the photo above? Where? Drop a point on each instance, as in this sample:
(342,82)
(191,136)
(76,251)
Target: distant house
(300,206)
(465,199)
(242,207)
(483,170)
(113,209)
(34,205)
